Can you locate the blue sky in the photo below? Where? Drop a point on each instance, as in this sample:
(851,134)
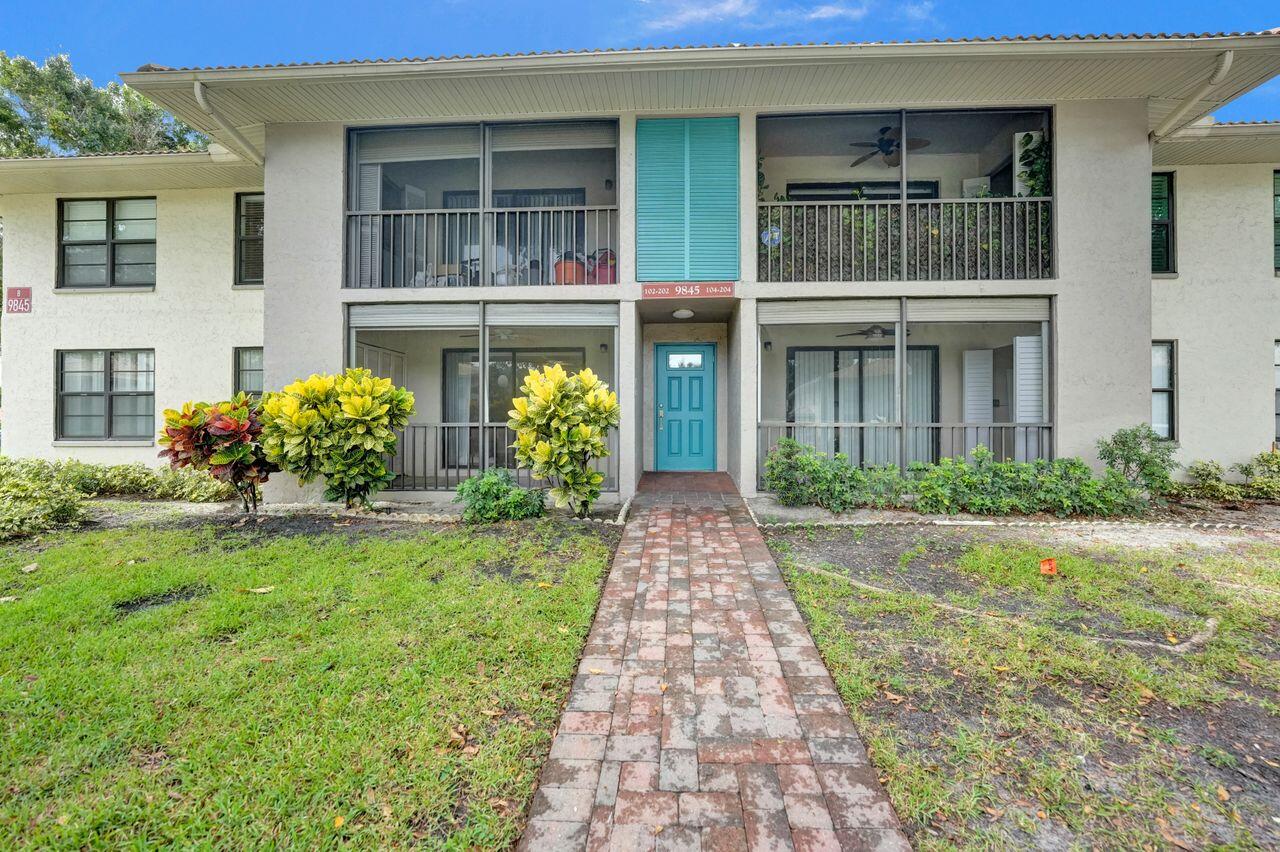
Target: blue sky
(106,38)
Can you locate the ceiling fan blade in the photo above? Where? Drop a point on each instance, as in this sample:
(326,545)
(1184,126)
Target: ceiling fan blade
(863,159)
(891,132)
(893,160)
(865,144)
(917,144)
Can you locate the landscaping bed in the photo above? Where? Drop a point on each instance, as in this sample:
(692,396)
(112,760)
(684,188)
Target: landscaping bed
(302,681)
(1130,700)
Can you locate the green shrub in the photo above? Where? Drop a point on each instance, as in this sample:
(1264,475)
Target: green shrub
(120,480)
(1208,481)
(798,475)
(1142,457)
(562,424)
(494,496)
(984,486)
(32,504)
(1261,476)
(340,427)
(192,486)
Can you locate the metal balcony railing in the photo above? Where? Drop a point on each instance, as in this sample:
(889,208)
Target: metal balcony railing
(470,248)
(438,456)
(931,240)
(870,444)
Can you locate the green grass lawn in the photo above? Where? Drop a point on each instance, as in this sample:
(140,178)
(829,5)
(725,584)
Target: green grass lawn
(346,684)
(1007,709)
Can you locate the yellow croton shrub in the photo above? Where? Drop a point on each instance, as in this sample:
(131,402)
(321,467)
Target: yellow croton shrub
(562,424)
(341,427)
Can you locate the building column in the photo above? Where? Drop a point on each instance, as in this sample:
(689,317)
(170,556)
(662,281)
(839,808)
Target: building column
(747,193)
(629,398)
(747,355)
(627,198)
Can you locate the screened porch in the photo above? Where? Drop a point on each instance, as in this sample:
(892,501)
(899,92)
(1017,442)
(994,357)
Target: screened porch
(464,364)
(844,378)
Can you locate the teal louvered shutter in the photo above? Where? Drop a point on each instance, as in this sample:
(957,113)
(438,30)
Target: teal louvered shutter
(687,199)
(713,199)
(661,207)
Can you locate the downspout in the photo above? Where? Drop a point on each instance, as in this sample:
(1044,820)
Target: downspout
(245,148)
(1220,73)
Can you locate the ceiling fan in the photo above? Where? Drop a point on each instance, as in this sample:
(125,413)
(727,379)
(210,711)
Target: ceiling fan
(888,145)
(873,332)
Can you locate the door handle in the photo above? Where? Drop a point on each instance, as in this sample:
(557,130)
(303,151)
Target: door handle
(661,417)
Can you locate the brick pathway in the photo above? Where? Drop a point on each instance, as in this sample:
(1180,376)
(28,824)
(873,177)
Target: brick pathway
(702,716)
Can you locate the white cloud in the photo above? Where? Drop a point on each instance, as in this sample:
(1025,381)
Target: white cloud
(832,12)
(682,14)
(797,17)
(920,12)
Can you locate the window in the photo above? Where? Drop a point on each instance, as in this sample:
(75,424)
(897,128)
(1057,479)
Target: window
(250,218)
(1162,222)
(107,242)
(248,370)
(1275,212)
(106,394)
(1162,384)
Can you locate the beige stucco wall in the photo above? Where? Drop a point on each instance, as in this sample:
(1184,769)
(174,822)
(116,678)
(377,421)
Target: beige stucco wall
(1222,308)
(1102,363)
(193,318)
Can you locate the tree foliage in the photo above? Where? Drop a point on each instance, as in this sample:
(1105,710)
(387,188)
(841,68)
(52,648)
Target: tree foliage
(49,109)
(561,424)
(341,427)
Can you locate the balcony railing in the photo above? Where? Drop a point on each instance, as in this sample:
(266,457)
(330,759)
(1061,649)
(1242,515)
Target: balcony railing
(438,456)
(867,444)
(954,240)
(470,248)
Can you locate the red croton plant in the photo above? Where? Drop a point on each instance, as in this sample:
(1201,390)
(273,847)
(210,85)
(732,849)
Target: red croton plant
(222,439)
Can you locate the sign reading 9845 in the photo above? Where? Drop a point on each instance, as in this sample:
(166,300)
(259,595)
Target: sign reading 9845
(17,300)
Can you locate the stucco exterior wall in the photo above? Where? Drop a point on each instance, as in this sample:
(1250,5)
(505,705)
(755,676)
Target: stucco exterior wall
(1222,309)
(1102,197)
(193,317)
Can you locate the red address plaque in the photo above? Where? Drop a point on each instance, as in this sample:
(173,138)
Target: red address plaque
(687,290)
(17,300)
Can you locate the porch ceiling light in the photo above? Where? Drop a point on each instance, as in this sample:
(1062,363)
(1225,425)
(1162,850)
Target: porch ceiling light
(682,313)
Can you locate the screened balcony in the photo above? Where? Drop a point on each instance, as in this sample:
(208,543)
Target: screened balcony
(848,383)
(472,205)
(914,196)
(437,351)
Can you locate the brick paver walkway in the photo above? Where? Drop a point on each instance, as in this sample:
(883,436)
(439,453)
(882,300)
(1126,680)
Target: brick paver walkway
(702,716)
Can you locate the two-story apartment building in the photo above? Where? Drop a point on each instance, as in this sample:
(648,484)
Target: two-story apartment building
(893,251)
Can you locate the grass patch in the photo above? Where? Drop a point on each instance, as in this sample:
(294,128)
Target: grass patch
(1024,724)
(207,687)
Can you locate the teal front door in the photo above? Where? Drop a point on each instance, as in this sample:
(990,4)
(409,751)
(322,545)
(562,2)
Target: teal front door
(686,406)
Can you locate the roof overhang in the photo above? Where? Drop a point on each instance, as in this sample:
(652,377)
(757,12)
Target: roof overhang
(1221,144)
(1164,70)
(128,172)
